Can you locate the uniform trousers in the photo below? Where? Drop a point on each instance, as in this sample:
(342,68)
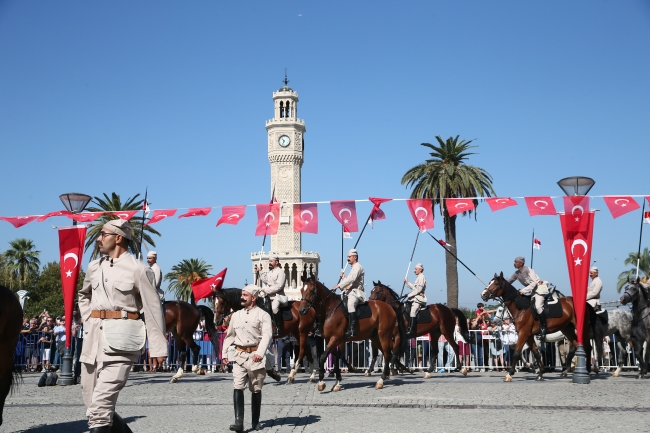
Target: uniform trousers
(539,303)
(243,374)
(417,302)
(354,298)
(101,384)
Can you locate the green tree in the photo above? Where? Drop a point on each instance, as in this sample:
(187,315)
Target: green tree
(47,292)
(113,204)
(22,260)
(6,276)
(446,175)
(184,274)
(644,268)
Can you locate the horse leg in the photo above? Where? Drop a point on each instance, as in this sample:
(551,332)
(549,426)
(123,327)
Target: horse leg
(638,351)
(302,338)
(375,352)
(570,334)
(622,348)
(385,339)
(644,364)
(330,348)
(196,368)
(538,358)
(337,354)
(180,344)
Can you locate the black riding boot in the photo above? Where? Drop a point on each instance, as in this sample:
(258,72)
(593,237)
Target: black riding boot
(102,429)
(238,398)
(352,322)
(256,406)
(542,327)
(119,425)
(412,326)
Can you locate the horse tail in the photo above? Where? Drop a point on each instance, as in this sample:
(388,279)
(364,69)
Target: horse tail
(209,325)
(462,323)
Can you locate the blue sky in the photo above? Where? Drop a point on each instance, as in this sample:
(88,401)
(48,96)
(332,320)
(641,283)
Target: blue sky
(103,97)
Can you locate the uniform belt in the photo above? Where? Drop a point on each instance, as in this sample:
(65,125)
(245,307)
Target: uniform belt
(114,314)
(247,349)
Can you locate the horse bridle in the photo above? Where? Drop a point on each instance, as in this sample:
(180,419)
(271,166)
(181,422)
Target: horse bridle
(310,302)
(500,299)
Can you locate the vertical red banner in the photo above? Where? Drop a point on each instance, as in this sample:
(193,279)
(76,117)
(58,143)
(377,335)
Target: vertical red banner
(71,248)
(577,246)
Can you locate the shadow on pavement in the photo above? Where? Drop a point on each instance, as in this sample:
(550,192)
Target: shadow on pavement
(78,426)
(293,421)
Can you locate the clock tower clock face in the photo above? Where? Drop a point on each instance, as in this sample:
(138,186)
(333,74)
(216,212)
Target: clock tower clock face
(284,140)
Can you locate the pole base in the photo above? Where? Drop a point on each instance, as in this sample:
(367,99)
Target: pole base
(66,377)
(581,375)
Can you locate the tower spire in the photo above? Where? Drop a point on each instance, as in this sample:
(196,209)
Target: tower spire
(286,80)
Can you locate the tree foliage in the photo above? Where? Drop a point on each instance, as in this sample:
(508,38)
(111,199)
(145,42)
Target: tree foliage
(644,268)
(21,261)
(47,292)
(183,275)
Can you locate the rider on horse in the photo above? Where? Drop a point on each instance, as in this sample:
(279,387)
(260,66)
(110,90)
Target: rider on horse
(416,298)
(595,287)
(532,286)
(353,286)
(274,280)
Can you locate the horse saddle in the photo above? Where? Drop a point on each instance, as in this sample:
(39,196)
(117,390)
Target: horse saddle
(363,310)
(287,315)
(424,315)
(552,308)
(602,315)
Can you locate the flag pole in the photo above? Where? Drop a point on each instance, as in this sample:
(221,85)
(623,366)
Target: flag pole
(532,249)
(259,267)
(638,257)
(410,261)
(355,244)
(342,248)
(144,211)
(459,261)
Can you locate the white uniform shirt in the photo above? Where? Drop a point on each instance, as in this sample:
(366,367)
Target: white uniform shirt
(354,280)
(595,287)
(418,287)
(274,281)
(527,277)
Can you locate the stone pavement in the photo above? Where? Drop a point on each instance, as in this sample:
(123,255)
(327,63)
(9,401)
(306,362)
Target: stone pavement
(444,403)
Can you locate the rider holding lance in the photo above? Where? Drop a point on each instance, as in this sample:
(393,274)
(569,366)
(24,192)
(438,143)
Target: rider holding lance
(274,280)
(416,297)
(532,286)
(353,286)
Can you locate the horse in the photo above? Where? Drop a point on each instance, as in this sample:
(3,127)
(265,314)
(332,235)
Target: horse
(443,321)
(182,319)
(527,326)
(381,328)
(11,323)
(619,323)
(227,300)
(637,294)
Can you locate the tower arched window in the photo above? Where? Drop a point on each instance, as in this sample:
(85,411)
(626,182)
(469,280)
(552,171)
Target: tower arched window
(281,109)
(288,111)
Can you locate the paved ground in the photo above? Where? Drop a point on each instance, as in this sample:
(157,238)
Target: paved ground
(446,402)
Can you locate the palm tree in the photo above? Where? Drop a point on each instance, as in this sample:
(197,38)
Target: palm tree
(445,175)
(184,274)
(22,260)
(644,268)
(112,204)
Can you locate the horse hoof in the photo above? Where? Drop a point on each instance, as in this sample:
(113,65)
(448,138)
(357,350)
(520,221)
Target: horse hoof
(201,372)
(427,375)
(379,384)
(464,371)
(539,378)
(367,374)
(290,380)
(508,378)
(311,380)
(616,374)
(336,388)
(173,380)
(321,386)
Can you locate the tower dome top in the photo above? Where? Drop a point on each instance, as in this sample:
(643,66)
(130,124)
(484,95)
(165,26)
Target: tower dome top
(286,87)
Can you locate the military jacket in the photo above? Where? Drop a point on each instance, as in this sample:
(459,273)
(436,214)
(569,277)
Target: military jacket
(274,281)
(249,328)
(527,277)
(595,287)
(418,287)
(354,280)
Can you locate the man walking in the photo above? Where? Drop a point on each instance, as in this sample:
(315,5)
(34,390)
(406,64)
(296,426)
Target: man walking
(116,288)
(275,281)
(352,285)
(250,331)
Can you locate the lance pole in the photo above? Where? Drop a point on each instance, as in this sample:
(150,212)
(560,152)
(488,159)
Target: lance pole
(342,249)
(457,259)
(532,249)
(638,257)
(144,211)
(410,261)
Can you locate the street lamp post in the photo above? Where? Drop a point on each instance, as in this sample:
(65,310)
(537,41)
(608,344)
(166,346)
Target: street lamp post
(576,186)
(74,202)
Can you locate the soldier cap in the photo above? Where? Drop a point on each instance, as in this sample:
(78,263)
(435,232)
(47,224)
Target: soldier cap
(419,265)
(353,252)
(119,227)
(274,257)
(593,269)
(520,259)
(252,289)
(152,254)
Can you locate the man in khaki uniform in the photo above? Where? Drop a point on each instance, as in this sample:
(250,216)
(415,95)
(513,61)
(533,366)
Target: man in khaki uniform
(532,287)
(275,280)
(152,259)
(416,297)
(250,330)
(595,287)
(353,285)
(116,287)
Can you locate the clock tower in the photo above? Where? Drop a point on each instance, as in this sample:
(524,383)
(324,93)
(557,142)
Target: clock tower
(286,147)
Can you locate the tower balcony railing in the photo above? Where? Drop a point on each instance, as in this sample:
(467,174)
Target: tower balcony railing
(287,120)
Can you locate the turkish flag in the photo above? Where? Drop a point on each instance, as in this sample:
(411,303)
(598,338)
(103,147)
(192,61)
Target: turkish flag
(124,214)
(458,205)
(577,246)
(231,214)
(85,217)
(208,286)
(53,214)
(268,219)
(576,208)
(19,221)
(422,212)
(500,203)
(305,218)
(161,214)
(71,249)
(376,213)
(540,206)
(196,211)
(345,211)
(621,205)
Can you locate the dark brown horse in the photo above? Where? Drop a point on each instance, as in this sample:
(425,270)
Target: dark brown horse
(181,320)
(443,321)
(11,323)
(227,300)
(381,328)
(527,326)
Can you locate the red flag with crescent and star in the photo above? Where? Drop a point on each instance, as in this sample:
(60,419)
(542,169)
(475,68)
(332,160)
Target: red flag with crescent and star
(305,218)
(500,203)
(19,221)
(196,211)
(124,214)
(376,213)
(208,286)
(540,206)
(576,208)
(268,219)
(71,249)
(160,214)
(345,211)
(53,214)
(458,205)
(620,205)
(231,214)
(422,212)
(85,217)
(577,245)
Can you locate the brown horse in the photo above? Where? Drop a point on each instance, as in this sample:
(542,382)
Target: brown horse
(443,321)
(11,323)
(527,326)
(227,300)
(381,328)
(181,320)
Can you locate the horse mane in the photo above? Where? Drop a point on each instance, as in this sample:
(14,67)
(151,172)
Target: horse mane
(391,291)
(232,296)
(509,292)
